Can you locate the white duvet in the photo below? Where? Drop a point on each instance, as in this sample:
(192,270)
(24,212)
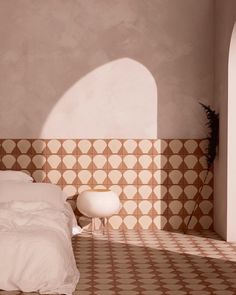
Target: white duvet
(35,248)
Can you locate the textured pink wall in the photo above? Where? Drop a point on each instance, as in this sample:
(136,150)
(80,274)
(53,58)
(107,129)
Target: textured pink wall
(231,171)
(47,46)
(225,18)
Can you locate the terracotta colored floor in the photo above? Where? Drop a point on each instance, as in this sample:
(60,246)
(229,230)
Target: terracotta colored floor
(153,263)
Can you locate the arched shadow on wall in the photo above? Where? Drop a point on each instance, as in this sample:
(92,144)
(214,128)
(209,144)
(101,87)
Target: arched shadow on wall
(47,53)
(116,100)
(47,46)
(50,52)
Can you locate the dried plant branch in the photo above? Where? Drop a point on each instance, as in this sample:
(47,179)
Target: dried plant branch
(213,136)
(213,141)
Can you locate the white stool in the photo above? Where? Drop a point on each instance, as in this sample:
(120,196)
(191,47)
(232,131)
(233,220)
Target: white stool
(98,203)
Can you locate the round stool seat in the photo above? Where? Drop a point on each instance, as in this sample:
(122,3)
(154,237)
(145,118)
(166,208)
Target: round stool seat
(98,203)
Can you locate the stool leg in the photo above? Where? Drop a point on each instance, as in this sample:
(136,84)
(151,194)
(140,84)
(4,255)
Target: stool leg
(92,225)
(104,222)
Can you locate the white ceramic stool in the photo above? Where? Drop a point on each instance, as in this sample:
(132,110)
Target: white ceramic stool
(98,203)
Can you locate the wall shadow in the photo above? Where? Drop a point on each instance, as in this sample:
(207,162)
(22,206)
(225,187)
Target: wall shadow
(47,46)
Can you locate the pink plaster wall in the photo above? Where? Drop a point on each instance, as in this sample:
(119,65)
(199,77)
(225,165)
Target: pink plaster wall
(225,17)
(48,46)
(231,171)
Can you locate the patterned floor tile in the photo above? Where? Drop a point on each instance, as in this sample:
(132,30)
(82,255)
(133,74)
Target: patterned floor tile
(153,263)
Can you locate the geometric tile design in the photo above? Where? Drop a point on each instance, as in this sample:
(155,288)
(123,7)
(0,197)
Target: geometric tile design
(155,262)
(157,180)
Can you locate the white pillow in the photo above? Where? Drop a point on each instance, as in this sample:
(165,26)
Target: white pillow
(11,175)
(38,192)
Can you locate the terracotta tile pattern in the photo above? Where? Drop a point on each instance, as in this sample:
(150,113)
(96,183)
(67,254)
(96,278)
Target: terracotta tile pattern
(156,180)
(155,262)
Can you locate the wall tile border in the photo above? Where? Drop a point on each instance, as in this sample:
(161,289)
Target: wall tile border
(156,180)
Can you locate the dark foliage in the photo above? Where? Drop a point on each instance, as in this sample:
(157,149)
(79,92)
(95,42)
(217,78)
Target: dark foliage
(213,140)
(213,136)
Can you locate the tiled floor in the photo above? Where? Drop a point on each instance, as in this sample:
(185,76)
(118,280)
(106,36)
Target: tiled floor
(153,263)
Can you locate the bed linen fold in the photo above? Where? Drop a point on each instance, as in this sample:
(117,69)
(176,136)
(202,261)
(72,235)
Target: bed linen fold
(36,253)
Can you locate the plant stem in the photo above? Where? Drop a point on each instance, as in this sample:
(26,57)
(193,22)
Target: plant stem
(196,201)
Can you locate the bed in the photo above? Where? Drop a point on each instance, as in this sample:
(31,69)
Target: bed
(36,226)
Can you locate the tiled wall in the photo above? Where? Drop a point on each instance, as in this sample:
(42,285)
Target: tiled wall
(156,180)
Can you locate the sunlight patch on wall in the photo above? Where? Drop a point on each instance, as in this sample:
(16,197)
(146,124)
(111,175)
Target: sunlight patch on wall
(116,100)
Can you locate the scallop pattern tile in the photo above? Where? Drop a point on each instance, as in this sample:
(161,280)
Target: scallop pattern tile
(148,262)
(160,177)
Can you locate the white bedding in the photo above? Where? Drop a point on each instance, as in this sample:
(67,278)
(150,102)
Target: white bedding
(35,248)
